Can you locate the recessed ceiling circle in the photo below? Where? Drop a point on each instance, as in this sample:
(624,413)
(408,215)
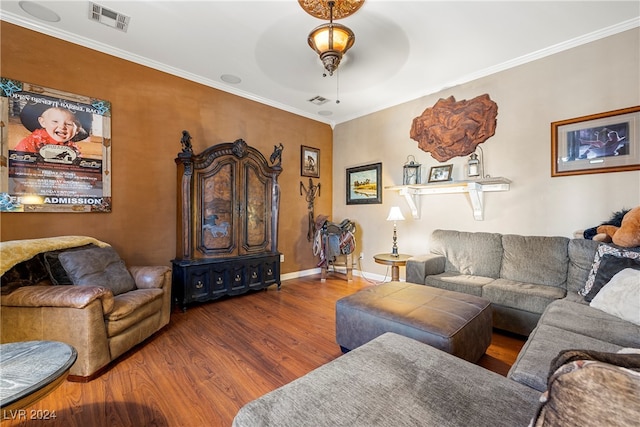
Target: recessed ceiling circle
(230,78)
(38,11)
(320,8)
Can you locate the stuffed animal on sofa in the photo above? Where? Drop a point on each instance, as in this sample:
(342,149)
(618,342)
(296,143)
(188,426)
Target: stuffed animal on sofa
(628,234)
(592,233)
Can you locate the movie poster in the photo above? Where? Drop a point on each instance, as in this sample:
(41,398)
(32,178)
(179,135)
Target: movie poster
(55,150)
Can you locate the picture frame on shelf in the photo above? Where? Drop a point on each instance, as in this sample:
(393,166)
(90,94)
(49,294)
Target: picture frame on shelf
(364,185)
(598,143)
(309,161)
(440,173)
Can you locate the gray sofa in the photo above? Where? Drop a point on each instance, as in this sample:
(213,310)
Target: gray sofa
(520,275)
(396,381)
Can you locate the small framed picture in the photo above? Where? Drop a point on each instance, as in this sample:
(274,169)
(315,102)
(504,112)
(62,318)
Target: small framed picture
(440,173)
(310,162)
(364,185)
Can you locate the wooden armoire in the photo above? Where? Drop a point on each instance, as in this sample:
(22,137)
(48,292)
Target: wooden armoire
(227,237)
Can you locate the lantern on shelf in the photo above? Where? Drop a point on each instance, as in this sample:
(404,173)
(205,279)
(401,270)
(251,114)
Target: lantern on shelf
(473,166)
(411,172)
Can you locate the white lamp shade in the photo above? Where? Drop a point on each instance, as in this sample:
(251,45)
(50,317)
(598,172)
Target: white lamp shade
(395,214)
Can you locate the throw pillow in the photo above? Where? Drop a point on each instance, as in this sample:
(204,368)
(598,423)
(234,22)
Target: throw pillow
(98,267)
(609,266)
(57,274)
(581,380)
(621,296)
(604,250)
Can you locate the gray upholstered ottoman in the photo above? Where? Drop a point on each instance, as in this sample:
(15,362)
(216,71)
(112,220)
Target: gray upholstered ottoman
(457,323)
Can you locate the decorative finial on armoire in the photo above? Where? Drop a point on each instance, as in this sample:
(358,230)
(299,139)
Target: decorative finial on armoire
(186,142)
(277,156)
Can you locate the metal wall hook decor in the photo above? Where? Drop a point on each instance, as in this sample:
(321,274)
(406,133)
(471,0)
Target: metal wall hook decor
(310,196)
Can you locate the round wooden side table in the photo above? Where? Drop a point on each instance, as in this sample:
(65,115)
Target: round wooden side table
(394,261)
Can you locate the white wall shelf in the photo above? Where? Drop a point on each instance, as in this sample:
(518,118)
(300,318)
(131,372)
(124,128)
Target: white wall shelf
(475,189)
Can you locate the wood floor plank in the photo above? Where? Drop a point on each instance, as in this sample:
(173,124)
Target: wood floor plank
(216,357)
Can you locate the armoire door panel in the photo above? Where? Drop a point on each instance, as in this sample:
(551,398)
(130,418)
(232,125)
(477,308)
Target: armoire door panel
(256,223)
(218,209)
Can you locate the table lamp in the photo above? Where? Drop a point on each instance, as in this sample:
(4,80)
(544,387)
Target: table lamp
(395,215)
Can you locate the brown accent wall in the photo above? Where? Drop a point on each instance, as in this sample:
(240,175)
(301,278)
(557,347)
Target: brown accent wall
(149,111)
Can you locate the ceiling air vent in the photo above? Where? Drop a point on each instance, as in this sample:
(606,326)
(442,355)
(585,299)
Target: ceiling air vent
(108,17)
(318,100)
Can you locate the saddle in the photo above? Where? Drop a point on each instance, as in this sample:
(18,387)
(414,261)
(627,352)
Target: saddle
(333,239)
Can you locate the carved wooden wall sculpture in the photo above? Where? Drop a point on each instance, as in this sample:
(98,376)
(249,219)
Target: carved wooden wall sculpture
(450,129)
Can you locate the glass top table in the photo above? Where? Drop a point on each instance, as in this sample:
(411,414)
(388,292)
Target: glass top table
(32,369)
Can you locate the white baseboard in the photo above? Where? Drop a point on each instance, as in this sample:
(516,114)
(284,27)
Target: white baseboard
(342,270)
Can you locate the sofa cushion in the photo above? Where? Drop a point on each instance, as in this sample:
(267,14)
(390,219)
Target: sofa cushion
(544,344)
(610,265)
(597,260)
(581,254)
(478,254)
(132,307)
(577,392)
(522,296)
(580,318)
(539,260)
(57,273)
(26,273)
(464,283)
(621,296)
(97,267)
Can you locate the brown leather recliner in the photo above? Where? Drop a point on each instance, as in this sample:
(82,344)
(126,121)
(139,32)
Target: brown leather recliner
(99,325)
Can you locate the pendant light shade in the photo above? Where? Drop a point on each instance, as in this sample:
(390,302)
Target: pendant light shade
(331,41)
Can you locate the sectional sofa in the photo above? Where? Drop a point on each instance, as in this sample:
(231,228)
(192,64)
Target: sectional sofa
(579,366)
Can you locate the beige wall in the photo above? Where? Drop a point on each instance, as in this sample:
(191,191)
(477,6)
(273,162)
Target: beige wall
(600,76)
(149,111)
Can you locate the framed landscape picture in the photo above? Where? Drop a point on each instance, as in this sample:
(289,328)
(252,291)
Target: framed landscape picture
(604,142)
(364,184)
(309,162)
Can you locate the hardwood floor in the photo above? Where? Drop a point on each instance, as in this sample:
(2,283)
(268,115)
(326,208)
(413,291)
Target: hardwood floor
(216,357)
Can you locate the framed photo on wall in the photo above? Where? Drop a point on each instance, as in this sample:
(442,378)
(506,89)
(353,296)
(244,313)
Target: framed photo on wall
(309,162)
(364,184)
(55,150)
(440,173)
(604,142)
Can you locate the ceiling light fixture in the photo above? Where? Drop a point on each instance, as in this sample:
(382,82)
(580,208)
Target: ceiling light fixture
(331,41)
